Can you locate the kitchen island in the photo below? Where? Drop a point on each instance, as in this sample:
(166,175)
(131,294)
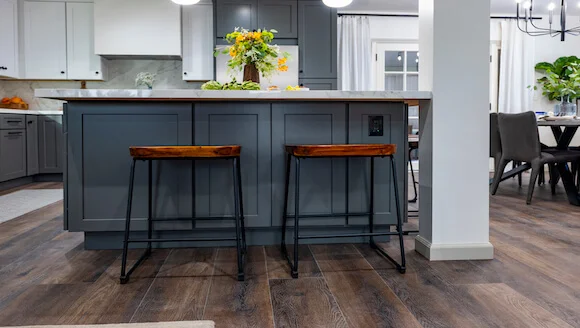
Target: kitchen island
(100,126)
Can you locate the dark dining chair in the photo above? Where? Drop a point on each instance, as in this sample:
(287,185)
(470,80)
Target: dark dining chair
(520,141)
(495,146)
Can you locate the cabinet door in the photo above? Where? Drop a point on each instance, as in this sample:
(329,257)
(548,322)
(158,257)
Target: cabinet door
(281,15)
(198,42)
(317,40)
(98,139)
(50,143)
(31,145)
(12,154)
(235,13)
(8,38)
(245,124)
(82,62)
(394,120)
(319,84)
(44,40)
(322,181)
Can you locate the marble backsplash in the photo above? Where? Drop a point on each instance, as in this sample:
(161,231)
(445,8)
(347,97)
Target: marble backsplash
(122,73)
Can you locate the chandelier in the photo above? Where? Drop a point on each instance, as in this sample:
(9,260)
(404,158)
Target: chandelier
(524,13)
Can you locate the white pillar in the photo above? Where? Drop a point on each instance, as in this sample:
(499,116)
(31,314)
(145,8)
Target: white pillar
(454,126)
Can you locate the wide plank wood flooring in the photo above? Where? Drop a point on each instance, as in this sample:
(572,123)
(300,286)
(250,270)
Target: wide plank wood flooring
(46,277)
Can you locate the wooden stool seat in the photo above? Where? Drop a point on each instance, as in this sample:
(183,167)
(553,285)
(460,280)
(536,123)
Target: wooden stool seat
(168,152)
(371,150)
(413,141)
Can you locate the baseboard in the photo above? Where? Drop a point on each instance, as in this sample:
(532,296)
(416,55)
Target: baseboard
(453,252)
(56,177)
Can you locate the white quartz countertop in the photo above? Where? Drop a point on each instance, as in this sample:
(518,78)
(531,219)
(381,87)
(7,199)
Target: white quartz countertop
(30,112)
(203,95)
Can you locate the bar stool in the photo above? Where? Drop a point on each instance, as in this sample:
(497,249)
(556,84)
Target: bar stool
(155,153)
(300,152)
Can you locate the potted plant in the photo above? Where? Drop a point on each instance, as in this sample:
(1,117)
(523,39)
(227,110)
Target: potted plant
(254,53)
(561,81)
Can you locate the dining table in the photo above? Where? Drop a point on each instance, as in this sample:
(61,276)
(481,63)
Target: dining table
(563,131)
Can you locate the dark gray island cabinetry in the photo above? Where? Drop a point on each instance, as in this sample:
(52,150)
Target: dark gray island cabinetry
(102,126)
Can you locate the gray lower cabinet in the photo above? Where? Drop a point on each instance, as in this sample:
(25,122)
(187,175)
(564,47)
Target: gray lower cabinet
(317,40)
(99,135)
(245,124)
(281,15)
(12,154)
(50,144)
(322,181)
(319,84)
(32,166)
(393,116)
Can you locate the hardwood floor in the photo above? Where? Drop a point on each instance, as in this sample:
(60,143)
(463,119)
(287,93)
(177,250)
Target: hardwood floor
(48,278)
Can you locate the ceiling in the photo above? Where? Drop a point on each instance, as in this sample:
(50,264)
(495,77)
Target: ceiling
(503,7)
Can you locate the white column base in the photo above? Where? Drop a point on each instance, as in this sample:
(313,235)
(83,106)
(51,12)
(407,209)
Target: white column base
(452,252)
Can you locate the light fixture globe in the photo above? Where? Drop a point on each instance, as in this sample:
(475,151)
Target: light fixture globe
(337,3)
(186,2)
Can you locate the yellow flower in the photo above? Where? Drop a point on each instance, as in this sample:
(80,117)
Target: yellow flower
(281,61)
(257,35)
(240,38)
(232,52)
(283,68)
(250,35)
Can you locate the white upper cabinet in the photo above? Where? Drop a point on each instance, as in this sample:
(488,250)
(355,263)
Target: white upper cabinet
(8,38)
(198,38)
(137,28)
(82,62)
(45,40)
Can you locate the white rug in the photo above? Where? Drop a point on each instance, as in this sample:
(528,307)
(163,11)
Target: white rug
(21,202)
(176,324)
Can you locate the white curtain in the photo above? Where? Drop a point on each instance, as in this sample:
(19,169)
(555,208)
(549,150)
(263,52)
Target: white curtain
(354,53)
(516,69)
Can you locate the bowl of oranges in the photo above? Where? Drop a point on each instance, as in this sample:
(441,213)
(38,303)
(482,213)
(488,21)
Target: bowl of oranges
(13,103)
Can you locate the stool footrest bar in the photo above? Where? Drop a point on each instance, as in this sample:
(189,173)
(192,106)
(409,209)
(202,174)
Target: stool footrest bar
(327,215)
(158,240)
(369,234)
(200,218)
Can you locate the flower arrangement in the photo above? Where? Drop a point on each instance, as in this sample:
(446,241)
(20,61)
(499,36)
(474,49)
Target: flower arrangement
(253,50)
(145,78)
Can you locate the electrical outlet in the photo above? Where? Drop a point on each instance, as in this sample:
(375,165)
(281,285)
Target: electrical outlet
(376,126)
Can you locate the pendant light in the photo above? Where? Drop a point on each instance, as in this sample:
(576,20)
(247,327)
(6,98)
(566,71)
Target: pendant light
(337,3)
(186,2)
(524,12)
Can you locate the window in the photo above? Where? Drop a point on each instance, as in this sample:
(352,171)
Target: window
(396,66)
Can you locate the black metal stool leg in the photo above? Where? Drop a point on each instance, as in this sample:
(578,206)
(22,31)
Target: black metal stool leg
(237,220)
(414,200)
(150,207)
(285,210)
(124,277)
(294,272)
(400,267)
(241,202)
(372,203)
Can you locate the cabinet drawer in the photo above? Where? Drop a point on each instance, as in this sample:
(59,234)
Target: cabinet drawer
(12,122)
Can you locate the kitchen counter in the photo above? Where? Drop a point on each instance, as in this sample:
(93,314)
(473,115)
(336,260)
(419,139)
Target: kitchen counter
(101,125)
(206,95)
(30,112)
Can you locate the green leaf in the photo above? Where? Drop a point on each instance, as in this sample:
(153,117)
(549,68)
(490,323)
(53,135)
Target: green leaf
(543,66)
